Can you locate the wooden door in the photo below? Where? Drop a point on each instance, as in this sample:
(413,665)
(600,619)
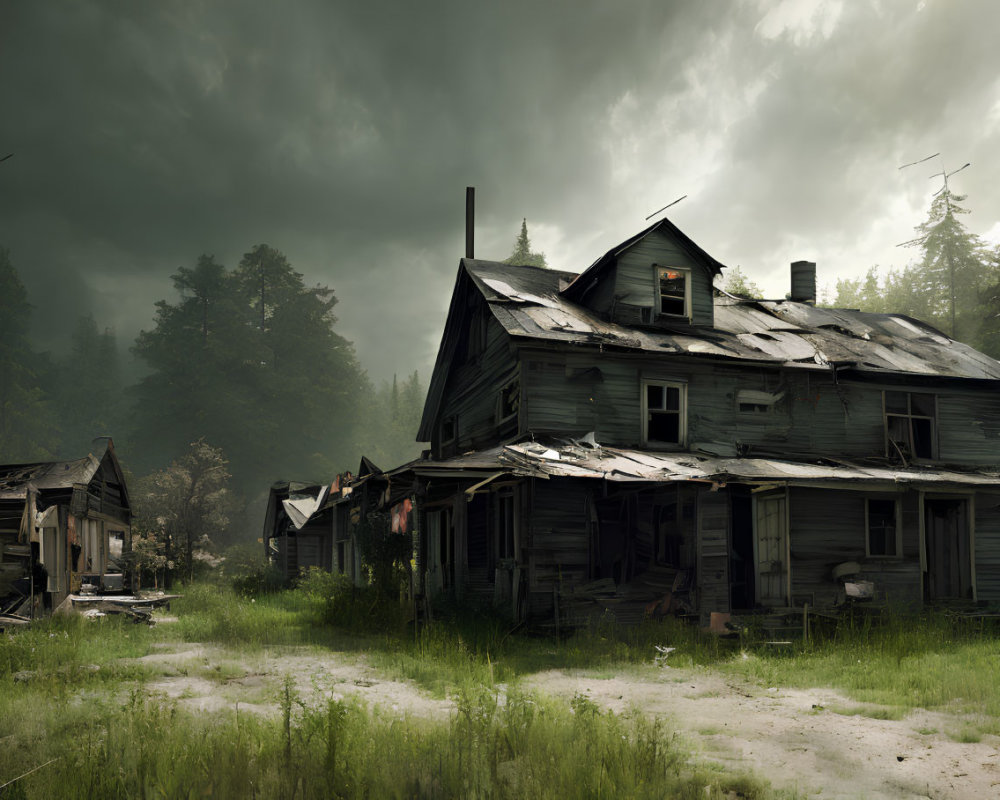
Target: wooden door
(949,549)
(771,550)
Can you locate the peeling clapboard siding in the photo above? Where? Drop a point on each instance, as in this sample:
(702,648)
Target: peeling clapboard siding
(969,425)
(828,529)
(988,548)
(473,390)
(559,543)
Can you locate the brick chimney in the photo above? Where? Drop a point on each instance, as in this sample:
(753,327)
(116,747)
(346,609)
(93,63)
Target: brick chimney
(803,282)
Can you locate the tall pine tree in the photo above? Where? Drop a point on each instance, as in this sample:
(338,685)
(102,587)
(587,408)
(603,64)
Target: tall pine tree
(249,360)
(522,255)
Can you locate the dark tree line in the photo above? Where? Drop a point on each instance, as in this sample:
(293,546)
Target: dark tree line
(244,360)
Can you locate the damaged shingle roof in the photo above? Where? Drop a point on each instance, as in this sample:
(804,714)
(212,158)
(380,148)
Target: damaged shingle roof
(14,478)
(528,302)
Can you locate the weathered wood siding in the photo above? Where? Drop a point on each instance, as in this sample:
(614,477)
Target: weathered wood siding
(558,542)
(571,394)
(713,553)
(827,528)
(472,392)
(988,548)
(635,280)
(969,427)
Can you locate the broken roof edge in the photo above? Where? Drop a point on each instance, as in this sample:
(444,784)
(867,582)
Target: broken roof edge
(578,459)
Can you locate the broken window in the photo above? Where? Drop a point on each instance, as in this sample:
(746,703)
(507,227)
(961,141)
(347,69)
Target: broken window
(664,413)
(910,422)
(674,291)
(509,401)
(449,429)
(882,522)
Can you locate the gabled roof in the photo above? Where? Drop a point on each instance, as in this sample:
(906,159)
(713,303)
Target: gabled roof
(586,279)
(15,479)
(528,303)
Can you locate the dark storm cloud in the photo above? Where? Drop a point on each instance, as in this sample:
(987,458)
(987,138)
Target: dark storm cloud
(344,134)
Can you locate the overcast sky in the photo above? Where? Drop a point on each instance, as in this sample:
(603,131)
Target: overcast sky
(344,134)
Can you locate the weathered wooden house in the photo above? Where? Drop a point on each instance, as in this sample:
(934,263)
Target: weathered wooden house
(629,432)
(62,524)
(310,525)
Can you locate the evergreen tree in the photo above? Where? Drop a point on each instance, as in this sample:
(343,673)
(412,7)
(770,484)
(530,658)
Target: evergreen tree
(249,358)
(27,429)
(522,255)
(951,266)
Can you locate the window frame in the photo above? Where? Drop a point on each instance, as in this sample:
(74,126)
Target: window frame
(658,295)
(909,416)
(512,392)
(897,506)
(452,420)
(664,383)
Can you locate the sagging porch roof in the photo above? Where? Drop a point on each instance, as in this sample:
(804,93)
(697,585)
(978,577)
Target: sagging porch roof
(576,459)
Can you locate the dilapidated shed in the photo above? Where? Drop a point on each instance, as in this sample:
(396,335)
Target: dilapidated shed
(63,524)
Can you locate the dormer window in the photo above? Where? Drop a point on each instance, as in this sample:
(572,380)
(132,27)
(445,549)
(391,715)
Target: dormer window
(673,286)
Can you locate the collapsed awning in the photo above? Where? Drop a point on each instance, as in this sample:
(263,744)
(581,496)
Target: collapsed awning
(575,459)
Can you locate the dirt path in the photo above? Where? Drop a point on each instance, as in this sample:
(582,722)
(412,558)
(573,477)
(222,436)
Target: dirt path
(794,738)
(206,678)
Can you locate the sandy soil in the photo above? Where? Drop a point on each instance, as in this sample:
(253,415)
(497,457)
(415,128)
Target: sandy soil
(794,738)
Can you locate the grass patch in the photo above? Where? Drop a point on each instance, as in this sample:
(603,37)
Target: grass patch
(922,661)
(870,711)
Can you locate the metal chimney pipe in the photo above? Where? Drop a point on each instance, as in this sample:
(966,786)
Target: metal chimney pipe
(470,221)
(803,282)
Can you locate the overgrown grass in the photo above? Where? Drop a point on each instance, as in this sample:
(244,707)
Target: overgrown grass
(927,661)
(514,746)
(67,733)
(71,688)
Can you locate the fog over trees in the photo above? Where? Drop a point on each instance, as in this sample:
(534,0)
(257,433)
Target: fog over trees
(243,362)
(953,285)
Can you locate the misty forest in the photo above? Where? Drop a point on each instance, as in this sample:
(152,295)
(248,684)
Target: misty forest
(677,477)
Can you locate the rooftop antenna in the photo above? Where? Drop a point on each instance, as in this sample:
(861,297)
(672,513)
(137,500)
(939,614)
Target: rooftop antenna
(668,205)
(944,175)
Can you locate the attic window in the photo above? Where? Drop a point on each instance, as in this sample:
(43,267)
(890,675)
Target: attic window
(673,286)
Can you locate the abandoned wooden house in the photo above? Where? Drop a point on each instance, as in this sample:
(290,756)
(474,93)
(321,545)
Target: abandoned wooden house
(632,438)
(63,524)
(310,525)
